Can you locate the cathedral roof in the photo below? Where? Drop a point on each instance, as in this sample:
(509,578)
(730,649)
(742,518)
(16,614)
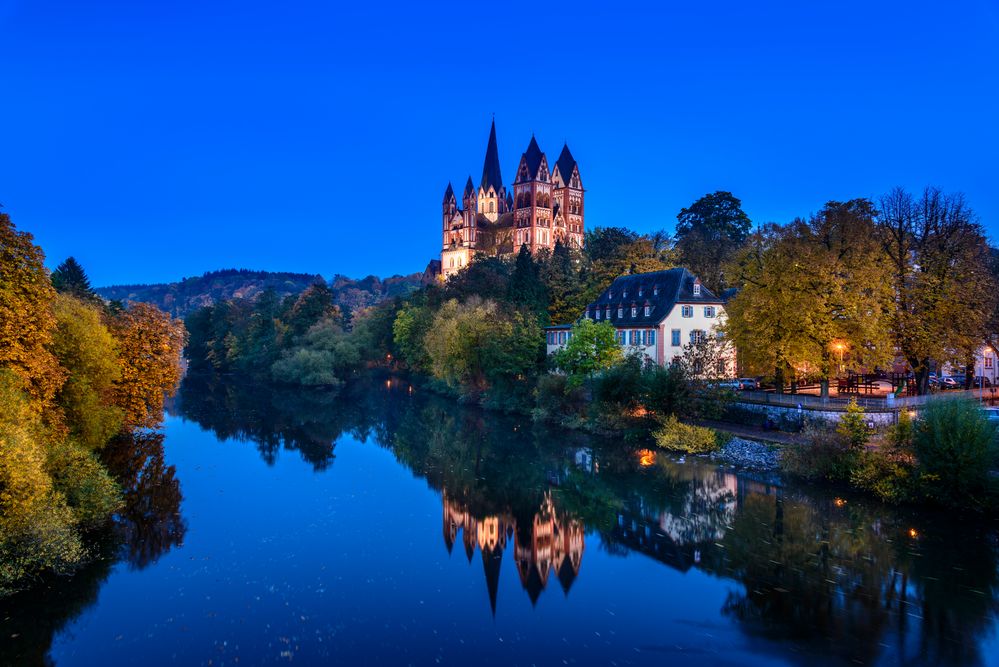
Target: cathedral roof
(469,187)
(491,167)
(533,156)
(565,164)
(449,193)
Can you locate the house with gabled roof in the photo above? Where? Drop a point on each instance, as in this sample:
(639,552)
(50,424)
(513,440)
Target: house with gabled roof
(657,315)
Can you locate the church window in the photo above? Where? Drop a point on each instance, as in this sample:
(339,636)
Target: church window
(492,207)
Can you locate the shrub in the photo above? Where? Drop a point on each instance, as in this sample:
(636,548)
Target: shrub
(666,389)
(822,455)
(852,426)
(885,474)
(619,389)
(557,401)
(676,436)
(954,444)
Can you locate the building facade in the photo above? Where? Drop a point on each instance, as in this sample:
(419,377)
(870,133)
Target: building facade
(657,315)
(544,208)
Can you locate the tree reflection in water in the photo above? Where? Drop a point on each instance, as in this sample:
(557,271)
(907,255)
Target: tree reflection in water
(826,576)
(814,578)
(149,525)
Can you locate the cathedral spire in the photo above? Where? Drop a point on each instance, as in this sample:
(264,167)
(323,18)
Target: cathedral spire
(491,167)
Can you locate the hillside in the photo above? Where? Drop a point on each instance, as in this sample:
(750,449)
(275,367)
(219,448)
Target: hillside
(180,298)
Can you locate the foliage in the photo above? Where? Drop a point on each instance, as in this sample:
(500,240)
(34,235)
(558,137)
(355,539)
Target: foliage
(820,455)
(70,278)
(89,353)
(954,446)
(886,474)
(592,347)
(37,527)
(709,233)
(667,389)
(150,344)
(557,401)
(324,357)
(676,436)
(26,319)
(852,426)
(942,287)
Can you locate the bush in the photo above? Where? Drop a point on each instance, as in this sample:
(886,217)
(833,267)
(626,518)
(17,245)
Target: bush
(823,455)
(885,474)
(666,389)
(679,437)
(954,445)
(852,426)
(619,389)
(556,401)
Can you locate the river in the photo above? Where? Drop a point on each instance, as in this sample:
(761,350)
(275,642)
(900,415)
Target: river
(385,525)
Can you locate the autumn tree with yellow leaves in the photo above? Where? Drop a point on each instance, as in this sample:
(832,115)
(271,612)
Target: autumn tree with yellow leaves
(73,375)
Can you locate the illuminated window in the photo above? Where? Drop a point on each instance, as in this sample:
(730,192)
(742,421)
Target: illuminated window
(634,311)
(648,310)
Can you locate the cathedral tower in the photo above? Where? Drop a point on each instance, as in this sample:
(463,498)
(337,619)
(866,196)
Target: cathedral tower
(492,195)
(567,200)
(532,200)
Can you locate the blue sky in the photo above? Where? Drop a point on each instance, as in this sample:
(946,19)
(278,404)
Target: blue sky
(160,140)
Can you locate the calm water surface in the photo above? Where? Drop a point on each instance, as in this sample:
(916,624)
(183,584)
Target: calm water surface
(387,526)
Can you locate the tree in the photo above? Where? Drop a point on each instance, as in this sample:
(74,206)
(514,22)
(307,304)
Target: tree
(89,353)
(26,320)
(70,278)
(324,357)
(709,233)
(150,344)
(939,277)
(592,347)
(766,320)
(312,305)
(526,287)
(562,274)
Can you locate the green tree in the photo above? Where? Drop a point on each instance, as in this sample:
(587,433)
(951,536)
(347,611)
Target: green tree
(70,278)
(955,448)
(592,347)
(526,288)
(325,356)
(853,427)
(708,234)
(409,331)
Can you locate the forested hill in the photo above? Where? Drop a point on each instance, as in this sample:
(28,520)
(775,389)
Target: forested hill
(180,298)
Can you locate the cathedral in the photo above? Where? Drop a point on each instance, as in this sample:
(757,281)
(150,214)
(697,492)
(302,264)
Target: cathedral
(545,207)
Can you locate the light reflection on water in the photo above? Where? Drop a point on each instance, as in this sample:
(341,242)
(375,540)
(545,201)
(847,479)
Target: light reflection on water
(386,526)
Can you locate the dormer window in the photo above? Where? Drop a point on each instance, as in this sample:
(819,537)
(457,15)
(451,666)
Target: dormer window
(610,294)
(620,311)
(624,294)
(640,290)
(607,313)
(648,310)
(697,288)
(597,313)
(655,290)
(634,310)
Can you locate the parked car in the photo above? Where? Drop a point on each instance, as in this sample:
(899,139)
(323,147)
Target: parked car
(982,381)
(947,382)
(734,385)
(959,379)
(748,383)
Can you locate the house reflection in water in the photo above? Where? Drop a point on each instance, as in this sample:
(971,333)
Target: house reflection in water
(548,541)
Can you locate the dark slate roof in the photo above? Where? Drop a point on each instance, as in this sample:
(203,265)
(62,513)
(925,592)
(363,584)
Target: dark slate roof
(533,156)
(565,164)
(675,286)
(469,187)
(449,193)
(729,293)
(491,166)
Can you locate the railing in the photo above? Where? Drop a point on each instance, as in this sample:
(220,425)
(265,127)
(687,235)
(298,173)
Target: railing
(840,402)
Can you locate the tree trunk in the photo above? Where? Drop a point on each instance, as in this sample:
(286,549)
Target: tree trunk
(921,374)
(824,380)
(779,378)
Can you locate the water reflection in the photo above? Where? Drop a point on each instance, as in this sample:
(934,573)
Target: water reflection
(812,577)
(816,575)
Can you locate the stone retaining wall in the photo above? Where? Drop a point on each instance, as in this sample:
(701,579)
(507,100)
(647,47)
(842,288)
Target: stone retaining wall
(780,413)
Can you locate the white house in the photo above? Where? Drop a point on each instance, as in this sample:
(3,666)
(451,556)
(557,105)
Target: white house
(657,314)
